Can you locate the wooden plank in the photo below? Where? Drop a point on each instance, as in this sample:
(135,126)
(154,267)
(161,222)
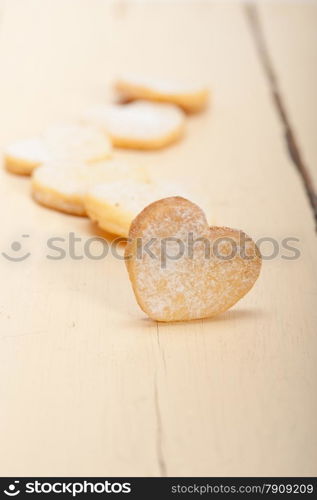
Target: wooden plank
(88,385)
(290,31)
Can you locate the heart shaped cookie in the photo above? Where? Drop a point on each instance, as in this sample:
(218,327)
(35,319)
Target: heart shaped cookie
(190,97)
(63,186)
(140,124)
(62,142)
(114,205)
(181,269)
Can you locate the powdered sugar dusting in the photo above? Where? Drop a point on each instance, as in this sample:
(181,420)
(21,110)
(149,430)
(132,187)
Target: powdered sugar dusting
(78,142)
(63,142)
(33,150)
(191,286)
(132,196)
(140,120)
(58,185)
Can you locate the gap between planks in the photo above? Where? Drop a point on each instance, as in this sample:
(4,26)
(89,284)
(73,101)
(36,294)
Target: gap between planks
(291,141)
(159,430)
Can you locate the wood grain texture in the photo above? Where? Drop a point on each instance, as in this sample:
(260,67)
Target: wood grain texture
(290,136)
(291,34)
(88,385)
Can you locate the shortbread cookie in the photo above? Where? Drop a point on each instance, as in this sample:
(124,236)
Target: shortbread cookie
(114,205)
(140,124)
(72,142)
(22,157)
(189,97)
(63,187)
(181,269)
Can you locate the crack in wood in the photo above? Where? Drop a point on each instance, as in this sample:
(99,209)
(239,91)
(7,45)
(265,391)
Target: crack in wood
(160,454)
(160,347)
(293,148)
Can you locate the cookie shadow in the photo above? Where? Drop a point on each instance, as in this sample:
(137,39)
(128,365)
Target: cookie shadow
(94,230)
(228,316)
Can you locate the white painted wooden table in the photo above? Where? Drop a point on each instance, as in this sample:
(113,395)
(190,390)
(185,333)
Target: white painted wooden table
(88,385)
